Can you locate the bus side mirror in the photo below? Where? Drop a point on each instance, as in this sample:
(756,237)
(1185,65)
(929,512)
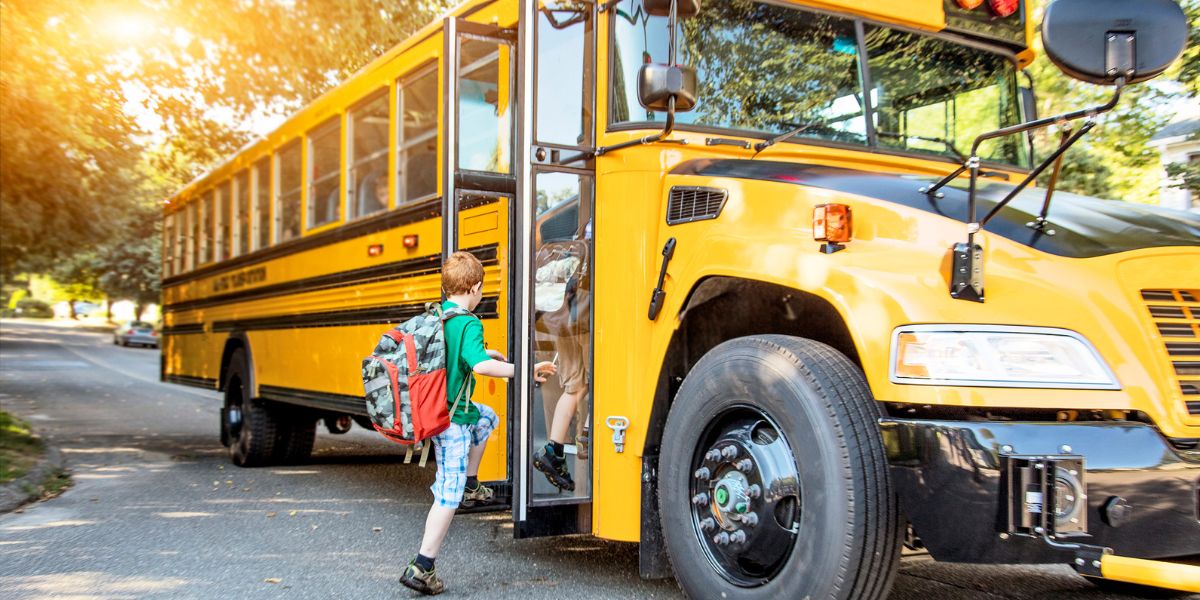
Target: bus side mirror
(1103,41)
(657,84)
(662,8)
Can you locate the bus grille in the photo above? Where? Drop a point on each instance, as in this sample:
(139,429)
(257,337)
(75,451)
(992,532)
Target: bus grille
(689,203)
(1176,314)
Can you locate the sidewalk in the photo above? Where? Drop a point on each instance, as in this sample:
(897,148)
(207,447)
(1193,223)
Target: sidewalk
(97,325)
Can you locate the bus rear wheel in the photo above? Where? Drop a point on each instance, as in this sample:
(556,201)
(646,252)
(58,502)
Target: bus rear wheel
(257,434)
(773,482)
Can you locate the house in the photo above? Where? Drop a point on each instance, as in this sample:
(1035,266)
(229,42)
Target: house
(1178,142)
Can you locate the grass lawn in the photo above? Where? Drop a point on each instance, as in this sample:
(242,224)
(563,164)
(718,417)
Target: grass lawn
(19,450)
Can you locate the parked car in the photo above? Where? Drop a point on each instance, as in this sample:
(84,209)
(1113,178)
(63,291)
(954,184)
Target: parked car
(34,309)
(136,332)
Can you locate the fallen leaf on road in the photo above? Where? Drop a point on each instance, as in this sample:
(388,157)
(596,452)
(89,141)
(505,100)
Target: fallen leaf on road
(270,514)
(291,513)
(273,580)
(376,529)
(216,483)
(315,527)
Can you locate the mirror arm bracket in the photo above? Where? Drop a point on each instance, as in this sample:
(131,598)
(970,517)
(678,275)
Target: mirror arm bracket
(966,277)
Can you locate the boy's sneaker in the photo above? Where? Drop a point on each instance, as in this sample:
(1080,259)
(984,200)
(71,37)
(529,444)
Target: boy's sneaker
(554,468)
(426,582)
(480,494)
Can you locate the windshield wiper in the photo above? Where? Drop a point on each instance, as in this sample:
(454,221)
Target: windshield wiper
(797,130)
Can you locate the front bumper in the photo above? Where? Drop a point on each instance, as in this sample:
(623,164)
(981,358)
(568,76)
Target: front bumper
(950,479)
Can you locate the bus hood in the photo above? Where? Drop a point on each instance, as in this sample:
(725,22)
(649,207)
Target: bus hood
(1083,226)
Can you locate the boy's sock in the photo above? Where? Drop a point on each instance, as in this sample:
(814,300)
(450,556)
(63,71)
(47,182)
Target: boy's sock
(472,482)
(424,562)
(555,447)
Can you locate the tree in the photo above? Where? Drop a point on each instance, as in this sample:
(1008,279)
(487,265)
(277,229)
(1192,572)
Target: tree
(89,89)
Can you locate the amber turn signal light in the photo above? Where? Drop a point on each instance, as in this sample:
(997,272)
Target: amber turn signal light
(410,241)
(374,249)
(831,223)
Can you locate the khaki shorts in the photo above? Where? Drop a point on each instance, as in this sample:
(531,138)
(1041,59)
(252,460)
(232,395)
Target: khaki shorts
(574,356)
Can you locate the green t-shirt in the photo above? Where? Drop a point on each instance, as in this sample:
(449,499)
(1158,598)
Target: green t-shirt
(464,350)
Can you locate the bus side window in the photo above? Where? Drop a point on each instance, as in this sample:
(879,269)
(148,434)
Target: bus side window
(416,137)
(191,253)
(324,173)
(241,200)
(225,225)
(262,203)
(369,156)
(206,229)
(287,211)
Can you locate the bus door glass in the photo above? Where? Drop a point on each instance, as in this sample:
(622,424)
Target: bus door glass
(478,187)
(554,429)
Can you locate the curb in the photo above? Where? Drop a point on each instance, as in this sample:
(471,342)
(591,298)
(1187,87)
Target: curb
(13,494)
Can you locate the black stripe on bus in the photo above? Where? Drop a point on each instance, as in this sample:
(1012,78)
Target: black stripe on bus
(207,383)
(183,329)
(381,315)
(423,211)
(412,267)
(340,403)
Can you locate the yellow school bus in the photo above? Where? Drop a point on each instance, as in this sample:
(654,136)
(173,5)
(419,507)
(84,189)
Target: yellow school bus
(808,308)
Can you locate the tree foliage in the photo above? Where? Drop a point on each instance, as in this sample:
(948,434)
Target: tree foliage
(109,107)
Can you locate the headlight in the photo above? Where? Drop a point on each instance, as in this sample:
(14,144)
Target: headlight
(997,356)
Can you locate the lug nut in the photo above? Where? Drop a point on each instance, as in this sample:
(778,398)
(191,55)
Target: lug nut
(738,537)
(700,499)
(754,491)
(713,455)
(742,507)
(729,451)
(721,539)
(744,465)
(703,473)
(707,524)
(750,519)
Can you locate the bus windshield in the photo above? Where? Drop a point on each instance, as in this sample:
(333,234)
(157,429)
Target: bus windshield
(765,69)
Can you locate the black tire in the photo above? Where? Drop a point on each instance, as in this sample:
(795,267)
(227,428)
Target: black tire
(1133,589)
(843,522)
(297,433)
(256,442)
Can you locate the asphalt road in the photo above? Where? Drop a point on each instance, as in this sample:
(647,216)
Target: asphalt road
(156,510)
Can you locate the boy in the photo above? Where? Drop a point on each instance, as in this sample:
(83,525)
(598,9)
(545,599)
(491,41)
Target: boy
(459,449)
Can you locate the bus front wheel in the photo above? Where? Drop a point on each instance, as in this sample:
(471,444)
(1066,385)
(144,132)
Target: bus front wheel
(773,482)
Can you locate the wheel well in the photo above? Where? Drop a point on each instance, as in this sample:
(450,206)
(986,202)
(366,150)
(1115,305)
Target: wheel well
(236,341)
(723,308)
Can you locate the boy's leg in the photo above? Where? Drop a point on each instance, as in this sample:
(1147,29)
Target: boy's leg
(451,448)
(437,524)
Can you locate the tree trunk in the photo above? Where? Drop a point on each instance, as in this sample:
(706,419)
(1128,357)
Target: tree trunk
(138,309)
(108,307)
(71,304)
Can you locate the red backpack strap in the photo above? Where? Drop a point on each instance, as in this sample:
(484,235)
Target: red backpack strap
(395,335)
(410,350)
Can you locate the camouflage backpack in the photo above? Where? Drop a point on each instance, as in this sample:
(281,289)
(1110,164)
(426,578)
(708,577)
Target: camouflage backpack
(405,380)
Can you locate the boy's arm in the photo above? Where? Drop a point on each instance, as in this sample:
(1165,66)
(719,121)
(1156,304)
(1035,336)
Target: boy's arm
(481,360)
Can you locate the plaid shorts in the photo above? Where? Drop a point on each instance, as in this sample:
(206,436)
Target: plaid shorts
(450,449)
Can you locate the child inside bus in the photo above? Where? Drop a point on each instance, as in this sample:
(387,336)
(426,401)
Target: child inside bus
(459,449)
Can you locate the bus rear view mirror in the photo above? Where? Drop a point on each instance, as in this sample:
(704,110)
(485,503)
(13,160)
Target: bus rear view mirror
(662,8)
(1103,41)
(657,84)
